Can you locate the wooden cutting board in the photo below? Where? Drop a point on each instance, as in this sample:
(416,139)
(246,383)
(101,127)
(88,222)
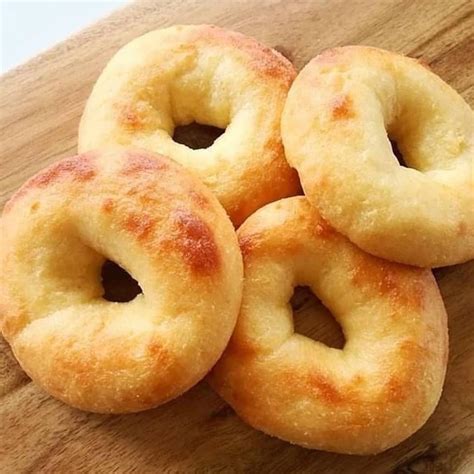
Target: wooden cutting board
(41,103)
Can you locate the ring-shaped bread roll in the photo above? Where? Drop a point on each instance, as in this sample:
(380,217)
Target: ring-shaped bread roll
(341,111)
(204,74)
(376,391)
(156,220)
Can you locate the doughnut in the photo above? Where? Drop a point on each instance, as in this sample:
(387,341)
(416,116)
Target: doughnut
(157,221)
(340,113)
(204,74)
(362,399)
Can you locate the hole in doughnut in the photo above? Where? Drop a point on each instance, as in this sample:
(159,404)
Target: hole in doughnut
(312,319)
(119,286)
(196,135)
(398,154)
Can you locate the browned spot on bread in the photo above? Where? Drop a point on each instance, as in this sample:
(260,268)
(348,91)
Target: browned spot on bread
(108,205)
(410,350)
(404,286)
(324,230)
(155,349)
(80,368)
(261,243)
(262,59)
(242,347)
(200,199)
(462,228)
(411,353)
(357,381)
(172,372)
(159,353)
(397,389)
(274,181)
(79,168)
(325,388)
(399,386)
(141,225)
(142,162)
(82,365)
(342,108)
(195,241)
(247,243)
(240,210)
(129,118)
(274,145)
(283,178)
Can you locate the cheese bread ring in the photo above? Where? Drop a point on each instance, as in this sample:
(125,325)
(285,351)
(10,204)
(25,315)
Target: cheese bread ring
(204,74)
(156,220)
(340,113)
(375,392)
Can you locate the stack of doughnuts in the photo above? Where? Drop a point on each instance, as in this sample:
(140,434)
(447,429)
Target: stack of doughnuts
(219,237)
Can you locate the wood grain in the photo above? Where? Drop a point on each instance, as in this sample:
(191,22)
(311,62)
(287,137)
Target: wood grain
(40,107)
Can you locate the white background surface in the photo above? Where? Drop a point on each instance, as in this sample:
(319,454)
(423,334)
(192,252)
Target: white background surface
(28,27)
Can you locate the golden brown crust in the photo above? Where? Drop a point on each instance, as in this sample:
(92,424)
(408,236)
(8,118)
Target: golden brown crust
(376,391)
(154,219)
(342,107)
(268,62)
(68,169)
(242,86)
(340,113)
(196,242)
(403,286)
(139,162)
